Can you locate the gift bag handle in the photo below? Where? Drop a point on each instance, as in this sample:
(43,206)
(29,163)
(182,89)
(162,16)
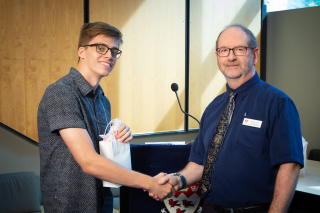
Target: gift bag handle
(105,131)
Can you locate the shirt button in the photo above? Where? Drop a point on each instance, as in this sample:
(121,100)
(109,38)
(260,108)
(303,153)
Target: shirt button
(98,121)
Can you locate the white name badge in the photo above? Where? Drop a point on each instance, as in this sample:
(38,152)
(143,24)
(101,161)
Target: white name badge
(252,123)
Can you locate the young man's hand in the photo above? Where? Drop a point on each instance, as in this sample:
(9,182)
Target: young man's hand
(161,191)
(124,134)
(164,178)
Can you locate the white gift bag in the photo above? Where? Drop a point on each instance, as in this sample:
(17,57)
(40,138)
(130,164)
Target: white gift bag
(114,150)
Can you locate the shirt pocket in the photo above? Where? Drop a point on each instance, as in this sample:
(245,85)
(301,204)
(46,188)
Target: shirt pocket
(250,138)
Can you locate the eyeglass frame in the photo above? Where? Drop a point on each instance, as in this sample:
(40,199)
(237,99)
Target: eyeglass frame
(233,50)
(91,45)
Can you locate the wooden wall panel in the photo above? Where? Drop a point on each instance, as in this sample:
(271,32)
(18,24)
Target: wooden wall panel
(39,45)
(36,81)
(153,58)
(13,94)
(208,18)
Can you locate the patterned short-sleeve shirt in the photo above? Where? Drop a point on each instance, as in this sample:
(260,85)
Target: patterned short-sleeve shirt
(70,103)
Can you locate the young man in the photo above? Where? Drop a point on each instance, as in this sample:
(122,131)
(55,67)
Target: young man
(248,152)
(72,114)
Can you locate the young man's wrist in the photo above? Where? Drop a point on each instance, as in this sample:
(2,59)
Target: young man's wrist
(148,183)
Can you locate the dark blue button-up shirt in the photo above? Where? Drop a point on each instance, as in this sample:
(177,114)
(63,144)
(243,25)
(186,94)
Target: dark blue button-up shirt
(247,164)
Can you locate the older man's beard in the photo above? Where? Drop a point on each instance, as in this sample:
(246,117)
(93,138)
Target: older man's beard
(234,77)
(250,64)
(231,77)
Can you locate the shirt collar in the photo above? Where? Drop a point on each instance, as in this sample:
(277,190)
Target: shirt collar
(243,90)
(81,83)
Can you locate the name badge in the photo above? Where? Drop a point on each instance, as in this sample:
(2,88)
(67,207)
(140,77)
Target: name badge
(252,123)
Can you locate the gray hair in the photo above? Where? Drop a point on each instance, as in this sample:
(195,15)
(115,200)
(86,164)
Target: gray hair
(252,41)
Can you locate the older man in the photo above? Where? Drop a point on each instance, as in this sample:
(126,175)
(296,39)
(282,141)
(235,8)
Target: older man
(248,152)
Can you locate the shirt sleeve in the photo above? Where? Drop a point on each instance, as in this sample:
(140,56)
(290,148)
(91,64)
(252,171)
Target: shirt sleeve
(197,150)
(286,141)
(62,108)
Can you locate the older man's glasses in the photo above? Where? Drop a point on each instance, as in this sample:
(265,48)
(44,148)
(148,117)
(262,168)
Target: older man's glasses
(238,51)
(103,49)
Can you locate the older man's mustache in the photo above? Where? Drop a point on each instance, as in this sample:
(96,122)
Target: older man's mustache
(231,64)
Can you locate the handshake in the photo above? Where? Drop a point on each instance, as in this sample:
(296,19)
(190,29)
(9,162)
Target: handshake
(164,186)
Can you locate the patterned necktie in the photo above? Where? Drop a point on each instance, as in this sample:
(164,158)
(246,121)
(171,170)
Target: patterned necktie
(216,143)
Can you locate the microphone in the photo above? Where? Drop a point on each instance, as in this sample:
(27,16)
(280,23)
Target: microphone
(174,88)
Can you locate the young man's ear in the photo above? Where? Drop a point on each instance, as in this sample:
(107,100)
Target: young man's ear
(81,52)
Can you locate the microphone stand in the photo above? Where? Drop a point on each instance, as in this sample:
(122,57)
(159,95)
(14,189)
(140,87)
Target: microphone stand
(184,111)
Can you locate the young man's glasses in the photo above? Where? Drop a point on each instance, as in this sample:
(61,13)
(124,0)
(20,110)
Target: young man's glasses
(103,49)
(238,51)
